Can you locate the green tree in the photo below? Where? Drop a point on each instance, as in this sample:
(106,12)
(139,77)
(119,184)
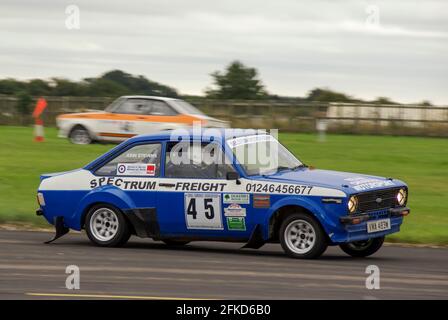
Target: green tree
(38,87)
(383,100)
(104,87)
(139,84)
(64,87)
(23,105)
(11,86)
(326,95)
(237,82)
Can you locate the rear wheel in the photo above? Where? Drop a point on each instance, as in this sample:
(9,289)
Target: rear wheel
(80,135)
(363,248)
(173,242)
(106,226)
(302,237)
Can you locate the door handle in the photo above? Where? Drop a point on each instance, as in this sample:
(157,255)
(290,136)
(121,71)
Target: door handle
(168,185)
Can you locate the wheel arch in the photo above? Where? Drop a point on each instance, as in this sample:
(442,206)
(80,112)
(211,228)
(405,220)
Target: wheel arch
(89,129)
(90,206)
(109,195)
(284,208)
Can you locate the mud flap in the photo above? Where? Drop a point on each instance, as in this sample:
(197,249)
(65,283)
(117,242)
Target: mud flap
(256,239)
(61,229)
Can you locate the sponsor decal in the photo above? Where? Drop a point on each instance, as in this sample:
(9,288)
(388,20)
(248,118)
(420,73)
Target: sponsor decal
(242,198)
(235,210)
(85,180)
(261,201)
(203,211)
(123,184)
(233,143)
(362,184)
(126,126)
(200,186)
(236,223)
(151,169)
(278,188)
(136,169)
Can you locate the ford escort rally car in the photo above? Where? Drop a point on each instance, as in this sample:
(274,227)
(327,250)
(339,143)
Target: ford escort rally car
(141,188)
(129,116)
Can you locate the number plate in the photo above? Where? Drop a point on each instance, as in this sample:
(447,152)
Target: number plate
(378,225)
(203,211)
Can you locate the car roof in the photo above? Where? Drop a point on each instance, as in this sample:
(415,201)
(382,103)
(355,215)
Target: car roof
(149,97)
(207,133)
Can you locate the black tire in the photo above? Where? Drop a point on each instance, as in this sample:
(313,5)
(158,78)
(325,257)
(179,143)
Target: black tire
(361,249)
(173,242)
(121,233)
(316,249)
(80,135)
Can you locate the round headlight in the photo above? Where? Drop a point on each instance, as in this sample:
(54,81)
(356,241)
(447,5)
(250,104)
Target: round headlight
(352,204)
(402,197)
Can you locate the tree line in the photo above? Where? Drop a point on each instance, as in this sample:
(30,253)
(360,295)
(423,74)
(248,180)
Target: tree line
(236,81)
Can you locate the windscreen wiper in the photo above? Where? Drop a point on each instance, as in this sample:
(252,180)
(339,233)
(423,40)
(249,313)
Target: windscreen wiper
(283,169)
(299,166)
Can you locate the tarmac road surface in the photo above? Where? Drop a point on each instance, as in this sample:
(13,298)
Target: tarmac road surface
(145,269)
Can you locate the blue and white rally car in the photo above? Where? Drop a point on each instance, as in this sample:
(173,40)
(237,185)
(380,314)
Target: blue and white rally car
(220,187)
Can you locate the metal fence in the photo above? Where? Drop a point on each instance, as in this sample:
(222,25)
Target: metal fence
(291,115)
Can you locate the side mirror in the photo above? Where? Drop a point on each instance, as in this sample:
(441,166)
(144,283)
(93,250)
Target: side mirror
(232,175)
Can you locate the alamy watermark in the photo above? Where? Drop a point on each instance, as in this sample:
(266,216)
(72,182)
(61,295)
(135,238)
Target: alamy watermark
(249,146)
(73,17)
(73,280)
(373,16)
(373,278)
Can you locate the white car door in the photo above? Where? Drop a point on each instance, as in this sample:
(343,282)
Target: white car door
(158,116)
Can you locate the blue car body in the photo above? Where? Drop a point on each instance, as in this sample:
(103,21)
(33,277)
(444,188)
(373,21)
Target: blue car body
(156,206)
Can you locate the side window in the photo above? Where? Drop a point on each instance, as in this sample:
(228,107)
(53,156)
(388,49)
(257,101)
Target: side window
(160,108)
(142,160)
(183,160)
(134,106)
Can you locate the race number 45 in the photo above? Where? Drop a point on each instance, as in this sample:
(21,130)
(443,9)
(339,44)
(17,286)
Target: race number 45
(203,211)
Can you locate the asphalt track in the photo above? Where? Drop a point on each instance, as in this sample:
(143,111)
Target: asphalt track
(145,269)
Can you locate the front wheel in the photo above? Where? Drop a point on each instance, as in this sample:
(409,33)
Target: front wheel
(80,135)
(106,226)
(360,249)
(302,237)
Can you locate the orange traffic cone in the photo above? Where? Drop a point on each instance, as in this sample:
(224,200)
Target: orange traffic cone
(39,124)
(39,130)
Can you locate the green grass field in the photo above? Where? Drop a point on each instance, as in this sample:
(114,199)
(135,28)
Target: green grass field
(421,162)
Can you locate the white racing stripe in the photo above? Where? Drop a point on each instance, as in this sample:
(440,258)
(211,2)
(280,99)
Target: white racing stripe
(86,181)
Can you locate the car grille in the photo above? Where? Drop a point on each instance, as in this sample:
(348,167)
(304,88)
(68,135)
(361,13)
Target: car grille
(369,201)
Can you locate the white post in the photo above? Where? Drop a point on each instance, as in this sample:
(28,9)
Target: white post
(321,127)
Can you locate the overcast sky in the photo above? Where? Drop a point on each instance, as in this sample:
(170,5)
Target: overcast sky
(365,48)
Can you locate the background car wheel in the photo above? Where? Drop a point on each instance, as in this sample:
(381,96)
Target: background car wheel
(80,135)
(302,237)
(172,242)
(106,226)
(363,248)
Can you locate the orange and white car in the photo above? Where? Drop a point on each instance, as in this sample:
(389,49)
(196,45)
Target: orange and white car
(128,116)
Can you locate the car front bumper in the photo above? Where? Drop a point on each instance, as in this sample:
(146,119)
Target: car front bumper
(359,218)
(355,226)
